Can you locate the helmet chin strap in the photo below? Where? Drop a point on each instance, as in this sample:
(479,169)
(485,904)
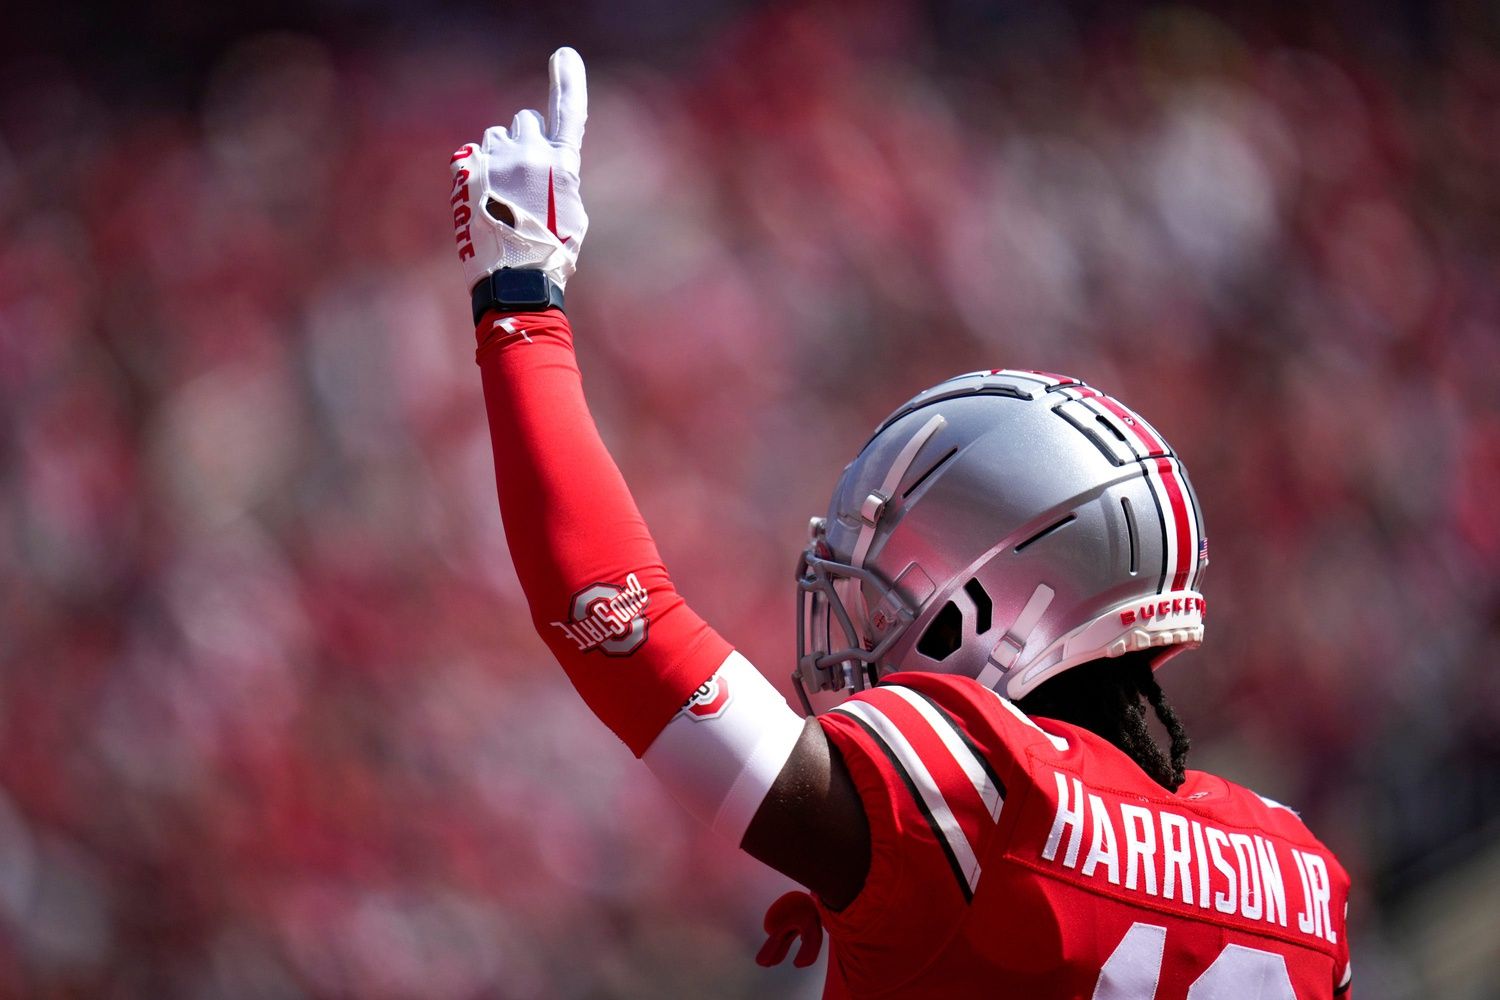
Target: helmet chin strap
(870,512)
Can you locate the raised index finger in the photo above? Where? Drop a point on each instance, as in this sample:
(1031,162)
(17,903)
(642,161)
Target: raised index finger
(568,107)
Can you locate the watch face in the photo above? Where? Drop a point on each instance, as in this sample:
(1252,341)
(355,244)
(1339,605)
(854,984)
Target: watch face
(520,288)
(511,290)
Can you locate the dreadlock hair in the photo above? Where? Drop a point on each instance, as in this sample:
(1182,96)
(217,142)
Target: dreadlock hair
(1104,697)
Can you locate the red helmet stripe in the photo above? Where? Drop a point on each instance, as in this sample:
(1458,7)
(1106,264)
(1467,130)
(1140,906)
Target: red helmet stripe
(1138,427)
(1180,522)
(1179,519)
(1061,379)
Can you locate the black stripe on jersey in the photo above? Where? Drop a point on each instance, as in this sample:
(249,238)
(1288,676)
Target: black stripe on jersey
(984,762)
(1340,990)
(1161,515)
(911,786)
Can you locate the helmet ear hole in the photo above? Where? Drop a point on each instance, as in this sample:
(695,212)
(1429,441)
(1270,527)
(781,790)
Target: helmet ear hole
(944,635)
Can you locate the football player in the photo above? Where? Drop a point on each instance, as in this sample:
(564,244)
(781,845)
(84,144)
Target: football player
(1003,566)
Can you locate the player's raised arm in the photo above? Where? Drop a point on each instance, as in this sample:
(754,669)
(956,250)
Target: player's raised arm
(1002,568)
(706,722)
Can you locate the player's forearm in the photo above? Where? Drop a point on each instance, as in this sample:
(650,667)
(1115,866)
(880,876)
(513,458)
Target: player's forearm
(707,723)
(568,513)
(599,594)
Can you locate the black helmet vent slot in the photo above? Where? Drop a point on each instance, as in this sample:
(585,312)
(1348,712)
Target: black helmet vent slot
(983,607)
(1049,529)
(1111,428)
(1130,529)
(944,635)
(923,477)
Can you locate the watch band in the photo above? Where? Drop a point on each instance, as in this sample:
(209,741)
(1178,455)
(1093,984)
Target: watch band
(516,290)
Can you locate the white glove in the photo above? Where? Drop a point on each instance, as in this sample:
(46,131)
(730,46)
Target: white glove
(515,198)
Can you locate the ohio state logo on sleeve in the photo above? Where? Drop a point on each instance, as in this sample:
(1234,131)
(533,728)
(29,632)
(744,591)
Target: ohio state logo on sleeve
(710,700)
(608,617)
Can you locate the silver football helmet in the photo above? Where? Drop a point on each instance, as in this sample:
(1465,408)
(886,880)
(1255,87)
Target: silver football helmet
(1003,525)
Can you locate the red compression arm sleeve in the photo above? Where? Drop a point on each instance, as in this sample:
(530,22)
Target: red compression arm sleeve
(599,594)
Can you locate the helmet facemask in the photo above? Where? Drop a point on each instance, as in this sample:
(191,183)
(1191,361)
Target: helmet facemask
(834,652)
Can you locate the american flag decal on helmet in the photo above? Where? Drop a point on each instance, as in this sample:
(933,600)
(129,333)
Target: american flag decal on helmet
(954,786)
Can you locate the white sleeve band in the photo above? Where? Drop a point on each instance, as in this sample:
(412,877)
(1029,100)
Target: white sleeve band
(723,750)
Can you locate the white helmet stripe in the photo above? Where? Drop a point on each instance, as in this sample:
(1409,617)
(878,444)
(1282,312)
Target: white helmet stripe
(1120,427)
(1010,645)
(874,504)
(870,511)
(1165,519)
(1143,437)
(1174,503)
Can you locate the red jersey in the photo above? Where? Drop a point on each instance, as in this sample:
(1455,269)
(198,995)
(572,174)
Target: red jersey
(1013,857)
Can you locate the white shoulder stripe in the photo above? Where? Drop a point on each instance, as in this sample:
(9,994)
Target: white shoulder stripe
(1057,741)
(965,757)
(932,796)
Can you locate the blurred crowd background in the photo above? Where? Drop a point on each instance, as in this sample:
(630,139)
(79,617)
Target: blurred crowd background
(272,720)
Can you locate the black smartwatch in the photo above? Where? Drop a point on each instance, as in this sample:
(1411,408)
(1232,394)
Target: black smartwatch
(516,290)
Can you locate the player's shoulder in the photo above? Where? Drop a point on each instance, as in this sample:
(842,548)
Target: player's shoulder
(962,698)
(942,737)
(926,715)
(932,763)
(1237,805)
(972,719)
